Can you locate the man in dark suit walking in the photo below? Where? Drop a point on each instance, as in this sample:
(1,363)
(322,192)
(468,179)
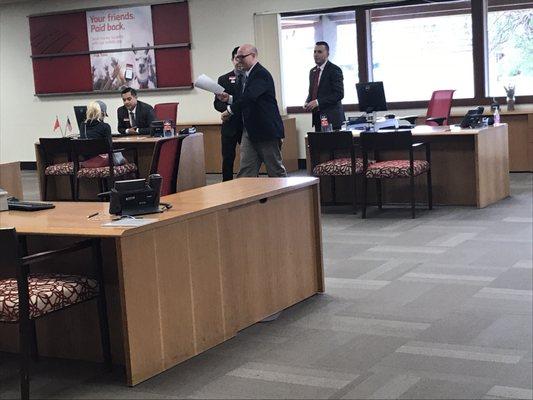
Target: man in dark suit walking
(134,116)
(231,131)
(257,106)
(326,89)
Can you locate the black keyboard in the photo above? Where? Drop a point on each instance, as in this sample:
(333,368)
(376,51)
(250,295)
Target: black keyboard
(28,205)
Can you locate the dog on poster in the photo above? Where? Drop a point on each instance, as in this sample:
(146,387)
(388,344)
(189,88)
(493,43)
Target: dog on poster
(144,71)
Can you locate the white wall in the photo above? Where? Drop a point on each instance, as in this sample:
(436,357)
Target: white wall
(216,27)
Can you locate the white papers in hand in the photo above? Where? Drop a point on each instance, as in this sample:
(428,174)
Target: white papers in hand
(206,83)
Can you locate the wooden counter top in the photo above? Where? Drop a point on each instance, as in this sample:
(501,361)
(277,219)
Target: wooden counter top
(70,218)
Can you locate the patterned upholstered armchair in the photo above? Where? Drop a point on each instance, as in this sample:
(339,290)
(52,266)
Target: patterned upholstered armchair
(57,161)
(332,154)
(376,142)
(32,296)
(107,173)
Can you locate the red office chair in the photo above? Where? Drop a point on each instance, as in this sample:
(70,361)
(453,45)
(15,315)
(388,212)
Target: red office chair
(166,111)
(439,107)
(165,162)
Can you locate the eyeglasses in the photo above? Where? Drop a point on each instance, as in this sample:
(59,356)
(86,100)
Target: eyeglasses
(240,58)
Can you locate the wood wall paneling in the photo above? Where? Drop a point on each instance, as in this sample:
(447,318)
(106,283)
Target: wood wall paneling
(10,179)
(266,274)
(213,152)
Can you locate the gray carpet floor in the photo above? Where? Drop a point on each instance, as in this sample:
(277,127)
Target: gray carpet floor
(436,307)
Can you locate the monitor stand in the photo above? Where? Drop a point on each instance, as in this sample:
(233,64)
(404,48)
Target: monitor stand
(370,120)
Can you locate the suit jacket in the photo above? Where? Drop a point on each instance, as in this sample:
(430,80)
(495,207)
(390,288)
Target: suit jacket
(144,115)
(330,94)
(258,107)
(229,82)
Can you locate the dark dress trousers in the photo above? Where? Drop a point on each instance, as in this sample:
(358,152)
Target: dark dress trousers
(329,95)
(258,107)
(144,115)
(231,131)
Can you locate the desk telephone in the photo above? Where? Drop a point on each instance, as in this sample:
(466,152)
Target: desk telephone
(473,118)
(136,196)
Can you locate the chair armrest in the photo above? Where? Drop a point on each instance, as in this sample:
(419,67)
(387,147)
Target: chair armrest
(438,120)
(45,255)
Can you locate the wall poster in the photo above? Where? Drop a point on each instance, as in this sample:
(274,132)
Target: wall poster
(121,28)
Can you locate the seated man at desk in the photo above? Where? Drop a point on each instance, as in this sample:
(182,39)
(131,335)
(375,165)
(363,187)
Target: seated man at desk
(134,117)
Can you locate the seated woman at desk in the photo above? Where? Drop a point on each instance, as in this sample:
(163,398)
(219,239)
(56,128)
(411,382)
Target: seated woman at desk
(96,128)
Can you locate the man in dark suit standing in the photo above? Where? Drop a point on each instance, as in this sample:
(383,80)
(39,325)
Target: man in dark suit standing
(231,131)
(134,116)
(326,89)
(257,106)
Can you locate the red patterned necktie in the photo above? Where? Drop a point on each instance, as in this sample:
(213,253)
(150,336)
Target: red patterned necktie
(315,83)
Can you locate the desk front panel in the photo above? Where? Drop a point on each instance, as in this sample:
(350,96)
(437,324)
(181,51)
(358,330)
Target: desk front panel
(10,179)
(453,175)
(190,281)
(520,134)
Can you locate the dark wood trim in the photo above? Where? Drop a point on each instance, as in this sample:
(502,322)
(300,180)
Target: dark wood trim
(420,11)
(104,8)
(28,166)
(364,45)
(503,5)
(88,52)
(400,105)
(479,47)
(317,11)
(100,92)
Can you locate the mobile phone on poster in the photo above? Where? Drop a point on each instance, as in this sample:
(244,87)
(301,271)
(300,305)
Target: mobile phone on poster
(128,75)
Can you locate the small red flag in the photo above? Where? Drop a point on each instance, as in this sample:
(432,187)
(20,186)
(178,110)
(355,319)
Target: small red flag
(56,124)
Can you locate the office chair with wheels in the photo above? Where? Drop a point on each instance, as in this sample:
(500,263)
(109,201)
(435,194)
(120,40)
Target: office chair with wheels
(165,111)
(439,107)
(32,296)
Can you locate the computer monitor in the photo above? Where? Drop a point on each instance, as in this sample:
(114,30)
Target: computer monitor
(371,97)
(80,112)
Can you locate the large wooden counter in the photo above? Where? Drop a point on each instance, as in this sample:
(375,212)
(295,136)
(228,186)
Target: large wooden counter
(469,167)
(223,258)
(213,152)
(520,138)
(191,173)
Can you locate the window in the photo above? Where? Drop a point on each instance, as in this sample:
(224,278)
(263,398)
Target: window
(510,48)
(419,49)
(476,47)
(298,37)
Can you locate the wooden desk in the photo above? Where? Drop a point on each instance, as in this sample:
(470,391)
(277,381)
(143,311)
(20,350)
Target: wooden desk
(191,173)
(520,132)
(213,152)
(10,179)
(223,258)
(469,167)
